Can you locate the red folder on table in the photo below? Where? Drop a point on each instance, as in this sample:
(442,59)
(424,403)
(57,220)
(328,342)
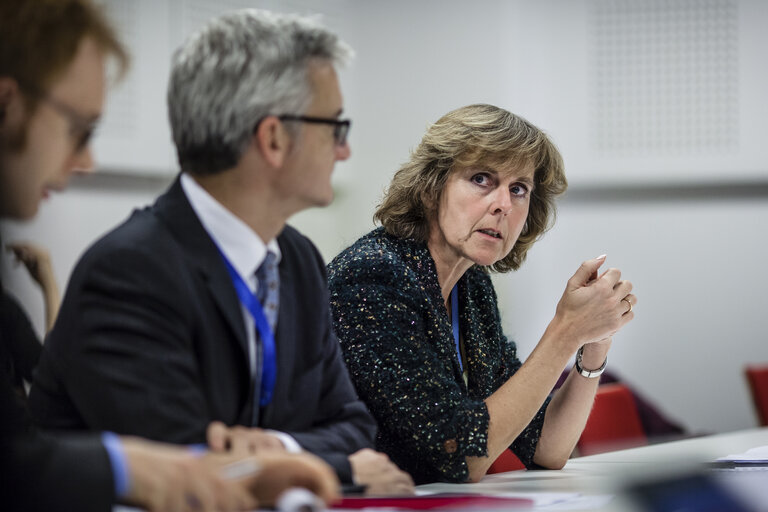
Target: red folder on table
(435,502)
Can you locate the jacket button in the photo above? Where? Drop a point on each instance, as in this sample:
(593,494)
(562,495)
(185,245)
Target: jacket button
(450,446)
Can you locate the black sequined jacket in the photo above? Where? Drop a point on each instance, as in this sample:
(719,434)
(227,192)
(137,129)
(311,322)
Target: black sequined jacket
(398,344)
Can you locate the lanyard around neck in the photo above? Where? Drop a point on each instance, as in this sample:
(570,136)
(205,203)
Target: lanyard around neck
(269,358)
(455,322)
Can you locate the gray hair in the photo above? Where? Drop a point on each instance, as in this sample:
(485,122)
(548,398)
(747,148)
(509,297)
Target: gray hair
(240,68)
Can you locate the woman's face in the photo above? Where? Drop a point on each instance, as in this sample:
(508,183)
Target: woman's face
(481,213)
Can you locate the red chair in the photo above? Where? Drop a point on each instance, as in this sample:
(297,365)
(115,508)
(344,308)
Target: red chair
(757,377)
(614,423)
(507,461)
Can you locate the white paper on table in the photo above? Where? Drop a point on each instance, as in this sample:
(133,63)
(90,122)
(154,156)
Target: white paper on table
(758,454)
(546,500)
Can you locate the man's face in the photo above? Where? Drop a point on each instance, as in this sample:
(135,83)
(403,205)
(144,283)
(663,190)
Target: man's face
(48,153)
(306,180)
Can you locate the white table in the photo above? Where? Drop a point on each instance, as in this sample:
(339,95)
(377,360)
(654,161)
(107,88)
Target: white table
(596,482)
(607,474)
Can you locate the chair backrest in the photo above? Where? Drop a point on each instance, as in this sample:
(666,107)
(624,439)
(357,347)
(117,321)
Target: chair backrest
(757,377)
(507,461)
(614,422)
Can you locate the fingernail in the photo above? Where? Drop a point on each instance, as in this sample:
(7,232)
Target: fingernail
(601,257)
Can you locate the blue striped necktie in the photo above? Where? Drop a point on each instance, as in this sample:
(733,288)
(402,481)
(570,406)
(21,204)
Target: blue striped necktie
(269,288)
(268,293)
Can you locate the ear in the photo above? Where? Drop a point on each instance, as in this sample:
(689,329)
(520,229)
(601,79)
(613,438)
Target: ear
(272,141)
(428,200)
(9,89)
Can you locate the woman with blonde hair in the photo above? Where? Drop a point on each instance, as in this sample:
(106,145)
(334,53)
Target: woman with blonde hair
(417,315)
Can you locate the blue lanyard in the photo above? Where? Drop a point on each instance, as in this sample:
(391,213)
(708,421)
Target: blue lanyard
(269,359)
(455,321)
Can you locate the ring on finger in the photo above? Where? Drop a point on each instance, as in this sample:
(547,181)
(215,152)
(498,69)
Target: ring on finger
(628,303)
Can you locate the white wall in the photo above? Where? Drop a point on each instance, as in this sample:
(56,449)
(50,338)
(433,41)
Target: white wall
(694,252)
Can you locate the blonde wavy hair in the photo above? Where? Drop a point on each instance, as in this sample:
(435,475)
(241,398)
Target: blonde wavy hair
(468,136)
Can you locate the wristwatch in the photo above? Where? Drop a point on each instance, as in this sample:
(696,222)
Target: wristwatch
(590,374)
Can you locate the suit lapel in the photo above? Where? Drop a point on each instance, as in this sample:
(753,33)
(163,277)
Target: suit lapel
(174,210)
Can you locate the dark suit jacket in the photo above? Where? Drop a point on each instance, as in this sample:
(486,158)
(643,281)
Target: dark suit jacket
(44,473)
(150,341)
(20,349)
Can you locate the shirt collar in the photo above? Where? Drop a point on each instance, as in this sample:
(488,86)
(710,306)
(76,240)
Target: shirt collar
(239,243)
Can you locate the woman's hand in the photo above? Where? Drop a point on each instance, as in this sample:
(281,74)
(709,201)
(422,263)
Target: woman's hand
(593,308)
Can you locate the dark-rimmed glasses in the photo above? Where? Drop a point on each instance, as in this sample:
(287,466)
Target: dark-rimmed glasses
(340,126)
(81,127)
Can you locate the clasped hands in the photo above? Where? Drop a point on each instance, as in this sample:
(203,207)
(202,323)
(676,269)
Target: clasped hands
(594,307)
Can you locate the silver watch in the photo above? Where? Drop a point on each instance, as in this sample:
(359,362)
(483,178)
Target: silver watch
(590,374)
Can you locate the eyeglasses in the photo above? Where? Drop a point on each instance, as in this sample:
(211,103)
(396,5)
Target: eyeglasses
(340,126)
(81,127)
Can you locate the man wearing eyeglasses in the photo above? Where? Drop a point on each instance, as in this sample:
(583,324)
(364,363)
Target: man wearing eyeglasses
(206,306)
(52,58)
